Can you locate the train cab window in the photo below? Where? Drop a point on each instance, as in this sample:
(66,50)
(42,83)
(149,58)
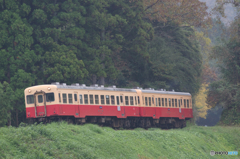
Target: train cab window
(50,97)
(59,96)
(172,102)
(169,100)
(156,102)
(70,98)
(187,103)
(163,102)
(146,101)
(166,102)
(126,100)
(75,97)
(80,99)
(136,103)
(184,103)
(40,99)
(117,100)
(175,102)
(91,99)
(86,98)
(64,96)
(179,103)
(138,100)
(96,99)
(121,99)
(107,99)
(30,99)
(131,100)
(102,99)
(159,102)
(149,101)
(112,100)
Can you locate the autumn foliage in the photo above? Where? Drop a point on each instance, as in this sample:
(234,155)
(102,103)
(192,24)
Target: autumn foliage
(182,12)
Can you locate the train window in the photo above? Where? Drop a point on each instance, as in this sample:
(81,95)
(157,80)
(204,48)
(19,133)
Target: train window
(149,101)
(146,101)
(172,102)
(131,100)
(86,98)
(121,99)
(118,100)
(159,102)
(91,99)
(80,98)
(184,103)
(162,101)
(70,98)
(166,102)
(102,99)
(75,97)
(49,97)
(64,96)
(156,102)
(187,103)
(179,103)
(175,102)
(136,101)
(107,99)
(40,99)
(169,100)
(112,100)
(126,100)
(30,99)
(152,100)
(59,96)
(96,99)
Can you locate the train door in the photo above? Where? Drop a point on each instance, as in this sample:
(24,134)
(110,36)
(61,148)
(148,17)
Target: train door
(154,106)
(180,105)
(122,107)
(40,104)
(76,103)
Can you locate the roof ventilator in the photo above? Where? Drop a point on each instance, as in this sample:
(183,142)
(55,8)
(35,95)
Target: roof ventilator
(83,85)
(75,84)
(64,84)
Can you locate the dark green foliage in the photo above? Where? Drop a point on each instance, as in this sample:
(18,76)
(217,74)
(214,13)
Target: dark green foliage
(6,102)
(176,59)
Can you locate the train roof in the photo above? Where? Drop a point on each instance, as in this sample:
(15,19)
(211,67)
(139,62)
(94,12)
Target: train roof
(114,88)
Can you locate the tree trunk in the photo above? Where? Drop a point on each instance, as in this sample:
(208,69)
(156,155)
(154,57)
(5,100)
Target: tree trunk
(17,117)
(94,79)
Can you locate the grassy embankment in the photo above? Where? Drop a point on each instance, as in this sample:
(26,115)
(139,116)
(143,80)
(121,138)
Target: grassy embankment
(60,140)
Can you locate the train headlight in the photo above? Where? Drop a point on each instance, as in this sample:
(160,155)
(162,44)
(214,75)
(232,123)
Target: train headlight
(49,88)
(29,91)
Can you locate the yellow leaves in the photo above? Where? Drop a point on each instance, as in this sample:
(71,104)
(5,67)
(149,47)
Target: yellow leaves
(200,102)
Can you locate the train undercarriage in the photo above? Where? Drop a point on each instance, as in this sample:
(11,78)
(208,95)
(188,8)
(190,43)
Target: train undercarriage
(126,123)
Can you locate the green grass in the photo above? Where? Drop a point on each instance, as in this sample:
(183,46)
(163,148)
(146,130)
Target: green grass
(60,140)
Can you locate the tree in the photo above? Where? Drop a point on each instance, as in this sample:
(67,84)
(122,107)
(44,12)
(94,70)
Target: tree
(181,12)
(6,103)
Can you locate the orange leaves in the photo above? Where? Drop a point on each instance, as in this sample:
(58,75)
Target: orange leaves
(191,12)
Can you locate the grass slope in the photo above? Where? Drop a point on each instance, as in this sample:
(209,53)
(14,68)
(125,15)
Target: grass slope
(60,140)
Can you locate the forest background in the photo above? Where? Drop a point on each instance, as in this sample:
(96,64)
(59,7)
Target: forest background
(148,43)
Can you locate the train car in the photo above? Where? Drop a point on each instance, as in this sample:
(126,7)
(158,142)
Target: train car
(116,107)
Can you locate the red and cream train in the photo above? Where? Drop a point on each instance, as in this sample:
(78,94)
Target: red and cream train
(117,107)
